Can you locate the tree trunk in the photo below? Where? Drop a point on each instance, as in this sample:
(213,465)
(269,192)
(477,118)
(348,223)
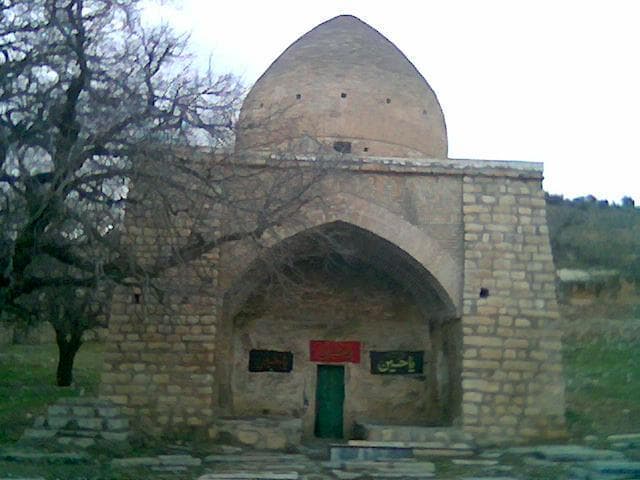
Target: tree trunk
(68,346)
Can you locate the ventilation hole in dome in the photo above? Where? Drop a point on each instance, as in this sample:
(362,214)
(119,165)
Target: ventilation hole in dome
(343,95)
(298,96)
(388,100)
(342,147)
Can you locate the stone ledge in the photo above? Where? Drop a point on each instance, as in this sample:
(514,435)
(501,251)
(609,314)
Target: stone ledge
(269,433)
(426,166)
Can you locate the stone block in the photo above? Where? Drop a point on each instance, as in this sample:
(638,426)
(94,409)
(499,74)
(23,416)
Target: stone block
(180,460)
(81,442)
(134,462)
(274,440)
(115,436)
(58,410)
(108,411)
(61,421)
(89,423)
(117,423)
(480,385)
(478,341)
(248,437)
(38,434)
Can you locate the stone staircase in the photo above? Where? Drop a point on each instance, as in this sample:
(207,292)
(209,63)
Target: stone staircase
(399,451)
(420,441)
(79,422)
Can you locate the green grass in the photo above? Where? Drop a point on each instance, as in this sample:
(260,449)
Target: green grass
(27,383)
(603,387)
(603,397)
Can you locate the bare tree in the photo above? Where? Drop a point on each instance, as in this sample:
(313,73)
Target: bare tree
(92,101)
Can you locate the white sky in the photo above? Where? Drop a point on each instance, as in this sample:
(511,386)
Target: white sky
(553,81)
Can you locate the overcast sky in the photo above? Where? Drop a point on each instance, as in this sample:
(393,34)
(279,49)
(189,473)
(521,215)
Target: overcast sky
(547,81)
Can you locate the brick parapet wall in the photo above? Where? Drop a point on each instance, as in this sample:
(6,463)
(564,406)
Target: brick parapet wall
(512,381)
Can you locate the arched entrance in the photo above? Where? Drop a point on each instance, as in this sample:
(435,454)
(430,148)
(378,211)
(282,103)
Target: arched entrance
(337,325)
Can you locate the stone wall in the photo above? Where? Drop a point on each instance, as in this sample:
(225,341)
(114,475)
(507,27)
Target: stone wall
(165,355)
(159,357)
(359,304)
(512,366)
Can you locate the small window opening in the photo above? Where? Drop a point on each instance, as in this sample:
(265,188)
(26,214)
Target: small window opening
(484,292)
(342,147)
(298,96)
(424,112)
(261,104)
(343,95)
(388,100)
(137,298)
(366,149)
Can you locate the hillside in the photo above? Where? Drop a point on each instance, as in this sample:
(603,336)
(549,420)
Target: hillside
(588,234)
(596,249)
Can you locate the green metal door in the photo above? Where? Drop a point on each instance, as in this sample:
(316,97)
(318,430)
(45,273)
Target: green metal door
(329,401)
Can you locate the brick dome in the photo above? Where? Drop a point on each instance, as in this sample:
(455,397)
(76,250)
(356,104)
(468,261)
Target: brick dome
(343,86)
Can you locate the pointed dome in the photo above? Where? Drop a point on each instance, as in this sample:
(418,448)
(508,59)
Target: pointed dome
(345,86)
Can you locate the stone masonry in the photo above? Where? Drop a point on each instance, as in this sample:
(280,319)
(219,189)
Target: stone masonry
(512,363)
(465,241)
(161,366)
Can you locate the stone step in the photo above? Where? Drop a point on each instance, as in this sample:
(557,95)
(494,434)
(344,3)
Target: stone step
(82,442)
(475,462)
(77,433)
(489,478)
(38,434)
(419,445)
(441,452)
(341,452)
(255,458)
(391,469)
(135,462)
(413,433)
(421,449)
(612,467)
(567,453)
(624,440)
(22,478)
(115,423)
(181,460)
(27,456)
(382,466)
(251,476)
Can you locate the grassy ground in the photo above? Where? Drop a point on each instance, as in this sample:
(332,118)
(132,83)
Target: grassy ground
(603,387)
(27,383)
(603,397)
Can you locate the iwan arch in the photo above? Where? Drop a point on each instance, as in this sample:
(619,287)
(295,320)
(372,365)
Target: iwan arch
(412,289)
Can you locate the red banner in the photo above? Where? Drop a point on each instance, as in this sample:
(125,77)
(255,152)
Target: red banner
(324,351)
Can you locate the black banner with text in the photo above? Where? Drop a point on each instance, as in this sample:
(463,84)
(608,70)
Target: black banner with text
(396,362)
(270,361)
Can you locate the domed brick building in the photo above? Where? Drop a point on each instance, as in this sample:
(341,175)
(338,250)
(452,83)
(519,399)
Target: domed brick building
(421,289)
